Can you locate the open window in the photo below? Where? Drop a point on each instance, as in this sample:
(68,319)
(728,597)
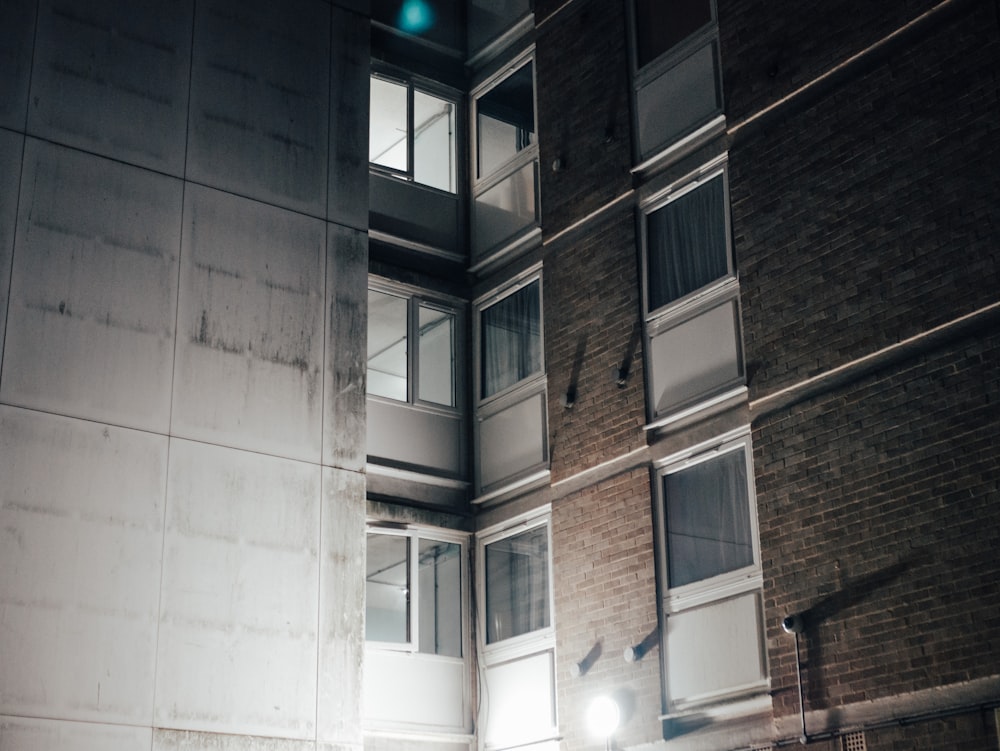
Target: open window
(676,72)
(505,206)
(511,438)
(415,394)
(713,639)
(694,345)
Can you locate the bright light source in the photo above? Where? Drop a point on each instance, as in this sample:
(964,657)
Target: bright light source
(416,16)
(603,716)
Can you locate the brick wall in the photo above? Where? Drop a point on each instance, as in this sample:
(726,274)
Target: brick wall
(605,594)
(879,511)
(591,327)
(877,215)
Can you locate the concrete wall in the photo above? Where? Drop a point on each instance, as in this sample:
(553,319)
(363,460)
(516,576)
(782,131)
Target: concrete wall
(182,384)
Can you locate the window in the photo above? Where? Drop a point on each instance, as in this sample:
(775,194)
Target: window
(505,120)
(660,26)
(517,585)
(396,370)
(691,295)
(511,339)
(413,593)
(714,644)
(412,133)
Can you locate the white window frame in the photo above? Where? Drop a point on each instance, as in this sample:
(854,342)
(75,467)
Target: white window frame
(716,589)
(721,291)
(415,298)
(437,91)
(414,534)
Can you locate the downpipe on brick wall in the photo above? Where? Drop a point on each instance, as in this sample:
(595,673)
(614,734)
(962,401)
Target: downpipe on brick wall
(794,624)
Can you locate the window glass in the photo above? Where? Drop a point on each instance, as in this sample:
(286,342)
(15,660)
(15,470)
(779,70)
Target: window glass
(708,519)
(505,120)
(517,585)
(387,589)
(437,356)
(686,243)
(387,345)
(387,138)
(433,141)
(511,339)
(661,25)
(440,594)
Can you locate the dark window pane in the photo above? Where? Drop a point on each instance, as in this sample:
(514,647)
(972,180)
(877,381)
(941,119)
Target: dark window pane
(708,519)
(660,24)
(511,338)
(517,585)
(687,244)
(505,120)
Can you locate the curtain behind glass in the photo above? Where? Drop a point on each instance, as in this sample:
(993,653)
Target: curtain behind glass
(517,585)
(687,244)
(511,339)
(708,519)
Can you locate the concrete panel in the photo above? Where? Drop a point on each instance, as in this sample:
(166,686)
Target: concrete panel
(17,28)
(11,145)
(111,76)
(237,645)
(81,514)
(347,197)
(260,100)
(342,608)
(185,740)
(30,734)
(250,323)
(344,421)
(93,289)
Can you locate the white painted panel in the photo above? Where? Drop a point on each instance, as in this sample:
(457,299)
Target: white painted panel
(695,358)
(250,326)
(11,145)
(31,734)
(520,701)
(402,433)
(237,644)
(81,516)
(679,100)
(424,692)
(342,608)
(17,28)
(90,330)
(260,100)
(111,76)
(512,440)
(714,649)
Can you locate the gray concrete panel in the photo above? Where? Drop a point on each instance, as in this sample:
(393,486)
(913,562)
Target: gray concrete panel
(33,734)
(250,323)
(237,638)
(344,419)
(17,28)
(81,529)
(187,740)
(111,76)
(90,330)
(11,146)
(260,100)
(342,608)
(348,173)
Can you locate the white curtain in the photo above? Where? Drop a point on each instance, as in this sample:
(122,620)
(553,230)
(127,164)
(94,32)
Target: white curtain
(511,340)
(517,585)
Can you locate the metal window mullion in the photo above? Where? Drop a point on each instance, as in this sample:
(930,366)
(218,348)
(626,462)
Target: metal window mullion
(414,593)
(410,135)
(412,349)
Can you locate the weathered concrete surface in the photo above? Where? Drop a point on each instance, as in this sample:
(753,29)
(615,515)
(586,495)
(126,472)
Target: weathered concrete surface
(344,424)
(93,289)
(17,26)
(238,613)
(81,517)
(250,326)
(185,740)
(11,145)
(260,100)
(33,734)
(342,608)
(111,76)
(347,197)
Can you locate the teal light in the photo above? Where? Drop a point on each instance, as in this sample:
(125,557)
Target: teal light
(416,16)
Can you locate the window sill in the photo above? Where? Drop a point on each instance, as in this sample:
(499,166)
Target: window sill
(750,701)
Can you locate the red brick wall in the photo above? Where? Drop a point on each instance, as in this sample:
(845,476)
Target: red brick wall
(605,593)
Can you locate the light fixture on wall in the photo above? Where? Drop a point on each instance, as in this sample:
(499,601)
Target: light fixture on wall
(603,717)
